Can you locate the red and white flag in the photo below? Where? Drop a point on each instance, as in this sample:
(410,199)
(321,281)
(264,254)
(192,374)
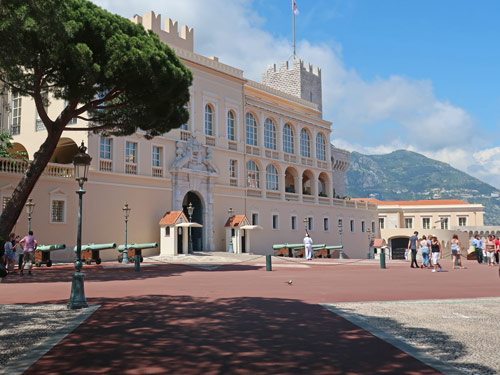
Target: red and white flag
(295,9)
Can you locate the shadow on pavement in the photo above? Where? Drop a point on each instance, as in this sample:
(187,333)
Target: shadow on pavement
(434,343)
(160,334)
(115,272)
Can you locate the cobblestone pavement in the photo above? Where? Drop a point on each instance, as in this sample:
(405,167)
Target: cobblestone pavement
(26,327)
(461,332)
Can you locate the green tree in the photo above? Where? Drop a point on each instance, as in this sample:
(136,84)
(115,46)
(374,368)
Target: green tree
(110,72)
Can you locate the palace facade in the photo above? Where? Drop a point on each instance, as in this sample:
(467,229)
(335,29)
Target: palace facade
(261,149)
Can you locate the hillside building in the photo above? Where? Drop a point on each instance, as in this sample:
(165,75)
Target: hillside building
(262,149)
(397,220)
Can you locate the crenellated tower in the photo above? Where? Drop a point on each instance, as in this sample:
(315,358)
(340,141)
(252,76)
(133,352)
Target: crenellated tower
(169,34)
(298,79)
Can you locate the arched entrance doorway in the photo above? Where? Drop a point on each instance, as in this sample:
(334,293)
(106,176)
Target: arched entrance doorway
(197,217)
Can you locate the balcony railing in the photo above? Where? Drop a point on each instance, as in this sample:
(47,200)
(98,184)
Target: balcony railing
(185,135)
(106,165)
(52,169)
(130,168)
(157,172)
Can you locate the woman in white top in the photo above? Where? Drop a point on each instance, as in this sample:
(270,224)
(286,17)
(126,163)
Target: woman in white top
(455,251)
(424,248)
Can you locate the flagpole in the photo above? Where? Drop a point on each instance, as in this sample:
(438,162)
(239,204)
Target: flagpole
(293,12)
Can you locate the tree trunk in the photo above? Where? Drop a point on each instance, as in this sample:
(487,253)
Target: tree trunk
(24,188)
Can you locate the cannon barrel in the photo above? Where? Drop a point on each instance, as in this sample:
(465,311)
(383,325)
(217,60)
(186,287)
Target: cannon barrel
(98,246)
(287,245)
(296,246)
(333,247)
(51,247)
(138,246)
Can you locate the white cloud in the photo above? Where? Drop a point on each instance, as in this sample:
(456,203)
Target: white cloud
(359,109)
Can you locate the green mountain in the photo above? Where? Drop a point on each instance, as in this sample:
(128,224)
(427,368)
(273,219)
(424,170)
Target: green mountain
(406,175)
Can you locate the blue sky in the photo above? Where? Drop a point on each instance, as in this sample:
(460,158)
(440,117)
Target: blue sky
(418,75)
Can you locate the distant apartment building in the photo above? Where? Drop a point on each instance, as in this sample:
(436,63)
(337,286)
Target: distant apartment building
(261,149)
(397,220)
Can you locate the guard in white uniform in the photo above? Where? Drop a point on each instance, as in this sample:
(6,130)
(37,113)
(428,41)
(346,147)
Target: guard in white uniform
(308,246)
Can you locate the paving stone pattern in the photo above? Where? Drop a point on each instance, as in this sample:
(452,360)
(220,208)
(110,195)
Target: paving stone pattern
(463,333)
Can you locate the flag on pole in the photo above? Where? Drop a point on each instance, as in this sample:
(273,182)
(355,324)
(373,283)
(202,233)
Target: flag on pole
(295,9)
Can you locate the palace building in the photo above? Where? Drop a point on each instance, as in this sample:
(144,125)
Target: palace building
(261,149)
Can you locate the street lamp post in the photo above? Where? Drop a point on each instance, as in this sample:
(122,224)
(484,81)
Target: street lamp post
(29,210)
(190,240)
(231,216)
(81,163)
(126,213)
(368,255)
(341,229)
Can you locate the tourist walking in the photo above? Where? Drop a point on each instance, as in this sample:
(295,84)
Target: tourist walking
(478,248)
(29,245)
(424,248)
(412,245)
(497,248)
(456,247)
(10,252)
(490,250)
(308,246)
(436,254)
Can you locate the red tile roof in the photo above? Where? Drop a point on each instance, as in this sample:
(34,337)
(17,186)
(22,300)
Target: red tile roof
(170,218)
(237,220)
(421,202)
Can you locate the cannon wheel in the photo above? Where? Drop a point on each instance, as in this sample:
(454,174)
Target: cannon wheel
(88,261)
(98,261)
(38,263)
(120,258)
(49,263)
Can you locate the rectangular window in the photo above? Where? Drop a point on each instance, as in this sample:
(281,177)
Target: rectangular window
(15,124)
(381,222)
(426,223)
(275,222)
(157,156)
(233,168)
(38,122)
(352,226)
(57,211)
(167,231)
(294,223)
(105,148)
(408,222)
(462,221)
(131,152)
(373,227)
(325,224)
(255,219)
(310,223)
(444,223)
(363,227)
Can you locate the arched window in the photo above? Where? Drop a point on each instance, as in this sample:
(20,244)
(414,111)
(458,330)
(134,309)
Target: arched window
(251,130)
(288,139)
(320,147)
(305,144)
(253,175)
(270,134)
(230,126)
(271,177)
(209,120)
